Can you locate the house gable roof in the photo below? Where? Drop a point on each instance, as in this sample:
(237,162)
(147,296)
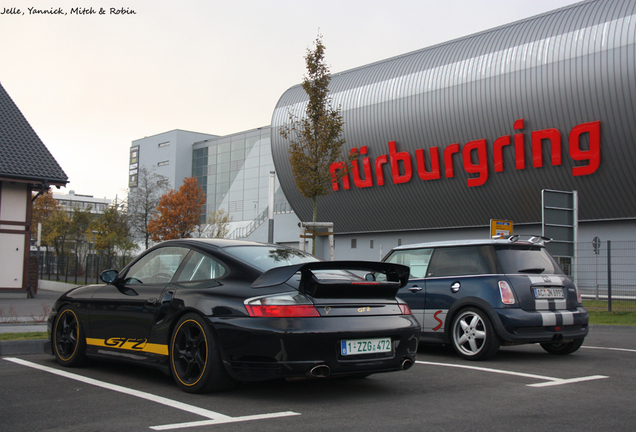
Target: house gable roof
(23,156)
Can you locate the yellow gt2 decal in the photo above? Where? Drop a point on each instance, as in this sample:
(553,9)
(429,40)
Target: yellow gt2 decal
(141,345)
(133,344)
(364,309)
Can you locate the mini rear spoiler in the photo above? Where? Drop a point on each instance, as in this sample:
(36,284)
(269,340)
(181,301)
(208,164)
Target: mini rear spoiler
(535,239)
(397,276)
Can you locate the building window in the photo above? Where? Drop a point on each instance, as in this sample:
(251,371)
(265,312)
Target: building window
(354,243)
(164,163)
(399,242)
(370,244)
(164,144)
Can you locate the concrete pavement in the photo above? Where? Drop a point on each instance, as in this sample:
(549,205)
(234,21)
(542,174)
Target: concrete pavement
(16,309)
(19,314)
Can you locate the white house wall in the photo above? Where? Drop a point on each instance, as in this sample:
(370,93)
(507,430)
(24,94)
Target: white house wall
(13,208)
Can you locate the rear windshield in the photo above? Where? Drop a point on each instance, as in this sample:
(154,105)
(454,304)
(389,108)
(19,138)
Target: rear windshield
(268,257)
(527,259)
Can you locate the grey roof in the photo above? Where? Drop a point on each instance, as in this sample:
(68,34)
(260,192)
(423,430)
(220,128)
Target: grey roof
(23,156)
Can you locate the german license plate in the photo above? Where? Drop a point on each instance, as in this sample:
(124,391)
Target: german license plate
(548,293)
(365,346)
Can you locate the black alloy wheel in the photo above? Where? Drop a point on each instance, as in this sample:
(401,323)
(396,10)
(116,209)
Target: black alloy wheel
(195,360)
(69,342)
(473,335)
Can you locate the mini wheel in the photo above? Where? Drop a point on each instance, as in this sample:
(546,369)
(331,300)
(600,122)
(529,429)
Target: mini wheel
(562,348)
(68,339)
(195,361)
(473,335)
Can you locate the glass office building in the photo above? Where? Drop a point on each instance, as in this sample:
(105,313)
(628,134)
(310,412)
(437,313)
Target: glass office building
(234,173)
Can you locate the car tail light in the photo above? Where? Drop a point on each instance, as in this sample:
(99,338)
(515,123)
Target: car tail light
(406,310)
(578,294)
(507,296)
(281,306)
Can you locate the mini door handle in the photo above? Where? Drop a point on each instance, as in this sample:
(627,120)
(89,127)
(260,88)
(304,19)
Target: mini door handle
(152,302)
(415,289)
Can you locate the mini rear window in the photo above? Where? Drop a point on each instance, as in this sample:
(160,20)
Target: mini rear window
(462,261)
(527,259)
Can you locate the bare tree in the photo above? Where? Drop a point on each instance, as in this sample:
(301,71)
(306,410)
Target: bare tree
(219,223)
(143,201)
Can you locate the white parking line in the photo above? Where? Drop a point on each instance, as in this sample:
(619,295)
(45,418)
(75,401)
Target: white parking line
(550,381)
(558,381)
(611,349)
(222,421)
(215,417)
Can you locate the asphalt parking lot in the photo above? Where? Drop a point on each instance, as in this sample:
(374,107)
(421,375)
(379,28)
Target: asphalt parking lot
(521,389)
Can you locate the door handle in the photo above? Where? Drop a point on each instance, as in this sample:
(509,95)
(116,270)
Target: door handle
(415,289)
(152,302)
(455,286)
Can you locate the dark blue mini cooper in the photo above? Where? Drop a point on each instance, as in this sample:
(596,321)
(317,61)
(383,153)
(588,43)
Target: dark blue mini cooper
(480,294)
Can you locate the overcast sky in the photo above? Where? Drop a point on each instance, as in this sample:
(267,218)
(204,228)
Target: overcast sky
(91,84)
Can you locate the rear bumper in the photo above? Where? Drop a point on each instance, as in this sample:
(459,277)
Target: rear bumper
(520,326)
(266,348)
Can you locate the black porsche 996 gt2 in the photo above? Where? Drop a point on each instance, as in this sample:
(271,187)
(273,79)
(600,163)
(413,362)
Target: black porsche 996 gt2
(216,312)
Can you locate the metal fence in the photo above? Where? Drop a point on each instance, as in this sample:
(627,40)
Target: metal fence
(605,272)
(75,270)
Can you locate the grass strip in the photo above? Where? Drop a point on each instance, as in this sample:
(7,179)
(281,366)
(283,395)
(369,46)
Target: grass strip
(23,336)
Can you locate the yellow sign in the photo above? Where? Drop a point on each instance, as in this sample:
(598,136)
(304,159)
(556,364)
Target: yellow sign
(500,228)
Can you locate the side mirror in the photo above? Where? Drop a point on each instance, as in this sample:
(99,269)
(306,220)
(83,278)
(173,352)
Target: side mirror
(369,277)
(109,276)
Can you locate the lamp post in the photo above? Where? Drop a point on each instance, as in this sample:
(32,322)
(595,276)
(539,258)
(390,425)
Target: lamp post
(270,210)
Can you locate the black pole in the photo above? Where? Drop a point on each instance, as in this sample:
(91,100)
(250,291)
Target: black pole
(76,266)
(97,270)
(609,275)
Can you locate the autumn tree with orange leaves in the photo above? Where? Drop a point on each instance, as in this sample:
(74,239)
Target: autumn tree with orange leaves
(178,212)
(43,207)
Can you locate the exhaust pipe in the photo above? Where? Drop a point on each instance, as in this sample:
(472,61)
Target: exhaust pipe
(406,364)
(320,371)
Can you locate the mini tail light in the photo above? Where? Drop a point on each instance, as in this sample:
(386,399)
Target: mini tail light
(507,296)
(578,294)
(281,306)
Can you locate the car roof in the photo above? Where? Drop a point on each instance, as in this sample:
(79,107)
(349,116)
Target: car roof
(214,242)
(530,240)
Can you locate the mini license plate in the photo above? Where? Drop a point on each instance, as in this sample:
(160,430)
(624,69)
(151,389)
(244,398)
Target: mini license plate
(548,293)
(365,346)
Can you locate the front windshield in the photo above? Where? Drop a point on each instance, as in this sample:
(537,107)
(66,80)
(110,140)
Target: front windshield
(268,257)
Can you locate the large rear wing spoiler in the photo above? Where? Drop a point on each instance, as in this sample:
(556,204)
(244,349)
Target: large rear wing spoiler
(397,276)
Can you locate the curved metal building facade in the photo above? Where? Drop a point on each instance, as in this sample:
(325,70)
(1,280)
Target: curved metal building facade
(471,130)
